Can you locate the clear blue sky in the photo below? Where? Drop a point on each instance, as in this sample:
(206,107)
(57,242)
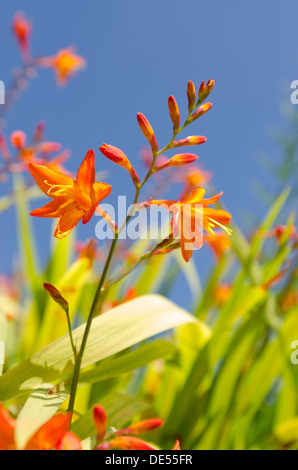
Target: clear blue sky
(139,53)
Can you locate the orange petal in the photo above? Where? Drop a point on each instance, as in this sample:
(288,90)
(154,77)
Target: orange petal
(7,426)
(100,191)
(86,173)
(212,200)
(68,220)
(177,446)
(50,434)
(45,178)
(218,215)
(69,442)
(196,196)
(52,209)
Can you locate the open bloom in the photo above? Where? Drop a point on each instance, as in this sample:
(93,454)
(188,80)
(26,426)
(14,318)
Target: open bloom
(191,215)
(65,63)
(73,200)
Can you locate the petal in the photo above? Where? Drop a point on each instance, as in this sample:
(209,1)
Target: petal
(196,196)
(49,435)
(69,442)
(49,210)
(7,427)
(218,215)
(68,220)
(86,173)
(100,191)
(212,200)
(46,178)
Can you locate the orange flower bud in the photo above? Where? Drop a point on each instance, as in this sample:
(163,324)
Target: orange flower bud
(147,131)
(119,157)
(191,140)
(200,111)
(100,420)
(18,139)
(205,90)
(142,427)
(191,95)
(174,113)
(182,159)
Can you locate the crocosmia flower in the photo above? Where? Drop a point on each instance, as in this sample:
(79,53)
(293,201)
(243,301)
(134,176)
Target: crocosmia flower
(191,215)
(65,63)
(73,200)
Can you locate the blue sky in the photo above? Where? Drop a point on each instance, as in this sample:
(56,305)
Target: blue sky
(139,53)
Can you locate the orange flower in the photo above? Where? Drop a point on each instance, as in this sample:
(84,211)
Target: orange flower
(190,216)
(53,434)
(219,243)
(73,200)
(22,31)
(222,294)
(65,63)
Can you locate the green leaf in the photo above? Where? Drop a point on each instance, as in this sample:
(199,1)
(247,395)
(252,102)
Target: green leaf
(128,362)
(112,332)
(38,409)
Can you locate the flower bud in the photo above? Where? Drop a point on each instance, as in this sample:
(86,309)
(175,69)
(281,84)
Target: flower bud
(56,296)
(182,159)
(174,113)
(22,30)
(200,111)
(100,420)
(205,90)
(191,140)
(191,95)
(142,427)
(147,131)
(119,157)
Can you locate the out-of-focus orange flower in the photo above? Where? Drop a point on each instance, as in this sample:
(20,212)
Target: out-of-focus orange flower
(119,157)
(89,250)
(219,243)
(73,200)
(130,294)
(192,176)
(190,216)
(53,434)
(289,300)
(65,63)
(222,294)
(22,31)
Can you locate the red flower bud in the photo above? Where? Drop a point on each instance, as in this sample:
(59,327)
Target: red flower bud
(174,113)
(100,420)
(182,159)
(119,157)
(142,427)
(18,139)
